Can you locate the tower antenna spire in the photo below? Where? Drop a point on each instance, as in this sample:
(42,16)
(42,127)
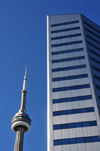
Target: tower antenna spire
(21,122)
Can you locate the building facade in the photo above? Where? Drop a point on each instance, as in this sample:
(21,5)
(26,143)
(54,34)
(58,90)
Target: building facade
(73,83)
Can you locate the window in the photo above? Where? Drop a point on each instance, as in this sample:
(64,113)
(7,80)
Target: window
(95,68)
(63,30)
(85,124)
(91,109)
(92,123)
(71,88)
(78,125)
(67,51)
(74,111)
(79,98)
(67,43)
(72,140)
(57,142)
(62,100)
(94,52)
(71,125)
(74,125)
(80,140)
(83,110)
(63,112)
(65,141)
(66,23)
(94,60)
(64,126)
(93,39)
(76,140)
(69,112)
(67,36)
(87,139)
(56,127)
(96,77)
(56,113)
(68,59)
(92,27)
(95,139)
(92,33)
(93,45)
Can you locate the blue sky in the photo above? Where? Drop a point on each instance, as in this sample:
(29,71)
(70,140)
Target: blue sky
(23,41)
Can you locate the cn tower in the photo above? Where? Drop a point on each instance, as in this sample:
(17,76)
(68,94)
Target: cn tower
(21,122)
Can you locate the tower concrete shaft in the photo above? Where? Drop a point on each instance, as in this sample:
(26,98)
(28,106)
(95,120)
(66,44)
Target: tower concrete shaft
(19,139)
(21,122)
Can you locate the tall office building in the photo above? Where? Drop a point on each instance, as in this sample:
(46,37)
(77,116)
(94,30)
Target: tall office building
(73,83)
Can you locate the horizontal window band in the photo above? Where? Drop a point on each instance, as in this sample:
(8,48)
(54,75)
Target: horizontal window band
(97,86)
(74,111)
(95,60)
(69,68)
(93,45)
(70,77)
(66,43)
(95,53)
(68,59)
(72,99)
(75,87)
(93,39)
(77,140)
(92,33)
(64,30)
(95,68)
(66,51)
(74,125)
(65,23)
(92,27)
(67,36)
(96,77)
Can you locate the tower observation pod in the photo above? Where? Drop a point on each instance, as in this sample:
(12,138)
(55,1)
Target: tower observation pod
(21,122)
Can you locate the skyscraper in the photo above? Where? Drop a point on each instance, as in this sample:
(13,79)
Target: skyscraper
(73,83)
(21,122)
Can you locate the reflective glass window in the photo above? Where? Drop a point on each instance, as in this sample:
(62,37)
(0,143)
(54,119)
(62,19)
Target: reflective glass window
(87,139)
(62,100)
(80,140)
(75,98)
(56,127)
(85,124)
(69,111)
(76,111)
(68,99)
(83,110)
(72,140)
(91,109)
(55,101)
(63,112)
(71,125)
(57,142)
(88,97)
(65,141)
(95,139)
(64,126)
(56,113)
(81,98)
(92,123)
(78,125)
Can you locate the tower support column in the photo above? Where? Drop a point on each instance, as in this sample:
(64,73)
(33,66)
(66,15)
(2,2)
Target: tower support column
(19,139)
